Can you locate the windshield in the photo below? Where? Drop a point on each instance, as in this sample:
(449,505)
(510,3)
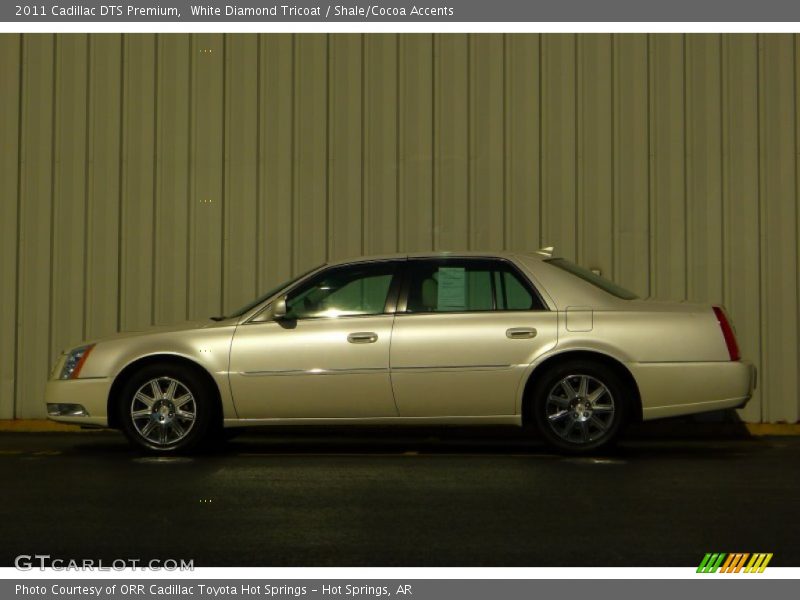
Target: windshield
(597,281)
(250,306)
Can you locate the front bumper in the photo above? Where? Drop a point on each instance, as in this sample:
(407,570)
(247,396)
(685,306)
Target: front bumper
(91,394)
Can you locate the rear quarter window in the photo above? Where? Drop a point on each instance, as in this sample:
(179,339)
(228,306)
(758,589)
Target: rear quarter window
(596,280)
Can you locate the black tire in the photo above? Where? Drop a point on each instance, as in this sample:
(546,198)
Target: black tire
(568,422)
(166,416)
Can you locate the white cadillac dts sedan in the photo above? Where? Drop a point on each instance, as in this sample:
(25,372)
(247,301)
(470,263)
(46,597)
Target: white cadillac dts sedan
(448,339)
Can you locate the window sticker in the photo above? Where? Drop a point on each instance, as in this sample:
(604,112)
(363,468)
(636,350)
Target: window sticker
(452,288)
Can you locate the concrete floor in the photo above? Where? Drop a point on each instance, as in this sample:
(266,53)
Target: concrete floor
(387,498)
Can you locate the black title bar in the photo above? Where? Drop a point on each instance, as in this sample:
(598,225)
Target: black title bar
(401,11)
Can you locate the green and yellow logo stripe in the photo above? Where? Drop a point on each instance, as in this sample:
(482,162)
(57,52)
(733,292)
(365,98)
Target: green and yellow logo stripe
(735,562)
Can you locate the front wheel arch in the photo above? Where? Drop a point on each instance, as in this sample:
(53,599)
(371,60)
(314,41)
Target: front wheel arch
(131,369)
(603,360)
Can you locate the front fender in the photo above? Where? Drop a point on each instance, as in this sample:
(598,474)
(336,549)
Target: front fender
(208,348)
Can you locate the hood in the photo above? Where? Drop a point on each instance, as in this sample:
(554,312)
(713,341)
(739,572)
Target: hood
(153,329)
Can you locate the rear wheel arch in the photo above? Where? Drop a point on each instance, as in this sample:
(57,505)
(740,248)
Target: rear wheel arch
(597,358)
(170,359)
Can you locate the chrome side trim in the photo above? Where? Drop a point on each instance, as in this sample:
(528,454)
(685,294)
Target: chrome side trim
(283,372)
(398,420)
(367,370)
(455,368)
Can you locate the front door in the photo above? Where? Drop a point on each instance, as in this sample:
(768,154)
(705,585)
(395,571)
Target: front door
(467,333)
(329,358)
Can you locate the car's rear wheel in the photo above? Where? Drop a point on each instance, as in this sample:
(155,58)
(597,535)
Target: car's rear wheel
(166,409)
(579,407)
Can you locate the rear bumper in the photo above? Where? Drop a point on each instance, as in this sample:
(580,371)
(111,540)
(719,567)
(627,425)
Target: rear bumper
(91,394)
(674,389)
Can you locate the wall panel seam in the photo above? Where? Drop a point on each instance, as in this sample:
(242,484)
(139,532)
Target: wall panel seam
(577,155)
(328,125)
(224,166)
(259,191)
(121,177)
(190,191)
(55,80)
(362,187)
(506,136)
(761,218)
(540,59)
(432,183)
(652,289)
(470,141)
(86,190)
(723,174)
(797,215)
(20,142)
(613,149)
(154,216)
(687,131)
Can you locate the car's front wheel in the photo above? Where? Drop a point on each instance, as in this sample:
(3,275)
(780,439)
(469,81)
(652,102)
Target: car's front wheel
(579,406)
(166,409)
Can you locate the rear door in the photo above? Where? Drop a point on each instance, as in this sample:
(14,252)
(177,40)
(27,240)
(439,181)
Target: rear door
(465,331)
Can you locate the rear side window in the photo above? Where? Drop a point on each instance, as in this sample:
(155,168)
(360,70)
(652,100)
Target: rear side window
(511,293)
(597,281)
(467,285)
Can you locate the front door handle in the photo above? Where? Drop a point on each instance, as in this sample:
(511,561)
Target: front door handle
(521,333)
(363,337)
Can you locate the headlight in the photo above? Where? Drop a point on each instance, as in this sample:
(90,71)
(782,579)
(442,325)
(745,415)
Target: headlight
(74,362)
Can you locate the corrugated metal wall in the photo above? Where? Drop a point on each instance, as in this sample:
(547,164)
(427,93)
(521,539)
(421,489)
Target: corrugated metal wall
(148,179)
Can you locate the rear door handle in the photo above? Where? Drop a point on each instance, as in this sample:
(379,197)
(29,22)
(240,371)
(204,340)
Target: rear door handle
(521,333)
(363,337)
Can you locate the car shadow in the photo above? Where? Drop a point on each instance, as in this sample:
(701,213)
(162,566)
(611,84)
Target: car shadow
(667,438)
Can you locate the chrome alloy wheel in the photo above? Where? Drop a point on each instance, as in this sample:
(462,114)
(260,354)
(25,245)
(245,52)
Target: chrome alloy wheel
(580,409)
(163,411)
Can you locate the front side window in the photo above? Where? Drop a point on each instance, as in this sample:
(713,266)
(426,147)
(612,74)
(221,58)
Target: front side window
(467,285)
(343,291)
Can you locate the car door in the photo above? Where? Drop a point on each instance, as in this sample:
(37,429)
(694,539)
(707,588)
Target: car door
(465,332)
(328,357)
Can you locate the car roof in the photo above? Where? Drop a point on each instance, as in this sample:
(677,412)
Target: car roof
(540,255)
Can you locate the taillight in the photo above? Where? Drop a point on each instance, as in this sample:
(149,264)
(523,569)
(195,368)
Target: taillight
(727,332)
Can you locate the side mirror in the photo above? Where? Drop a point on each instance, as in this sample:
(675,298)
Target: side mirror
(279,308)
